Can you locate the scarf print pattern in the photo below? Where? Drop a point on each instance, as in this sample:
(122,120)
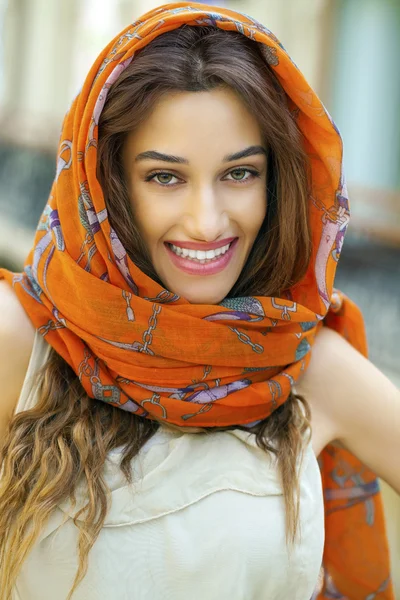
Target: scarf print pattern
(236,362)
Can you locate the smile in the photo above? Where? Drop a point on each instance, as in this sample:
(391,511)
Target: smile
(201,262)
(199,255)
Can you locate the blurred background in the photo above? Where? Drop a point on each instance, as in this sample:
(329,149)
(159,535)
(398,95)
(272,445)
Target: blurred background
(348,50)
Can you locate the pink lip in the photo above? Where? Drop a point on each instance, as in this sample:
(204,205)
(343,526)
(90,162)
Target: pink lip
(201,245)
(196,268)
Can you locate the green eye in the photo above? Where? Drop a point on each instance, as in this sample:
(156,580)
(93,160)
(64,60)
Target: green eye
(164,177)
(240,172)
(243,175)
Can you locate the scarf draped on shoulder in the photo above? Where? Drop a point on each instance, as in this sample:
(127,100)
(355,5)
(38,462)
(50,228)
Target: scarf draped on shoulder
(145,350)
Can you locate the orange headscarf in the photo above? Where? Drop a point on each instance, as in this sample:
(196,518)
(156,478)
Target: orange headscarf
(143,349)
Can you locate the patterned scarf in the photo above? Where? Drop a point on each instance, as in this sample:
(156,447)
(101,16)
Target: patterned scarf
(148,351)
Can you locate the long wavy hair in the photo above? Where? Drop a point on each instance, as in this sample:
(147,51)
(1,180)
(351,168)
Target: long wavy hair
(66,436)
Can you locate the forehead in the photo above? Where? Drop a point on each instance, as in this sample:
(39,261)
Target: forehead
(218,118)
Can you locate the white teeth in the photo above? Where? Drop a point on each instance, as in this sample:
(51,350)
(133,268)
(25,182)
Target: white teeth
(200,255)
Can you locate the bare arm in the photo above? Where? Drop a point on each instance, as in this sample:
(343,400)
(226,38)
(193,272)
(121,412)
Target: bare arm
(16,340)
(354,403)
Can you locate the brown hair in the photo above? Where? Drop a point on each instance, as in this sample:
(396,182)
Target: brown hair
(67,435)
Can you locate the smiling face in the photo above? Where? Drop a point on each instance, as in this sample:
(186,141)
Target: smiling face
(196,176)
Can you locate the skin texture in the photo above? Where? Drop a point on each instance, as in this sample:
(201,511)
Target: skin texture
(200,201)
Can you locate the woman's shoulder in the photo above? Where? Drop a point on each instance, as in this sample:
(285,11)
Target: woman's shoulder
(326,385)
(14,321)
(17,334)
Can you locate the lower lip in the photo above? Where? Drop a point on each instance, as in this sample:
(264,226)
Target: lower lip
(196,268)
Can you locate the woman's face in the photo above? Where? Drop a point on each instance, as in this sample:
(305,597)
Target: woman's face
(198,206)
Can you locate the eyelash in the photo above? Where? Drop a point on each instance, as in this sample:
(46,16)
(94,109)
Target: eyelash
(251,171)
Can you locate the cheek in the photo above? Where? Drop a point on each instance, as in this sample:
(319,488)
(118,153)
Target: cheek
(252,214)
(152,219)
(145,220)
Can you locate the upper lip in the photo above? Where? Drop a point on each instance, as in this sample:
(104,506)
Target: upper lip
(201,245)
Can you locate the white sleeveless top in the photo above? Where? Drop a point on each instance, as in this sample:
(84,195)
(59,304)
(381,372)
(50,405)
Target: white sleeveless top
(204,520)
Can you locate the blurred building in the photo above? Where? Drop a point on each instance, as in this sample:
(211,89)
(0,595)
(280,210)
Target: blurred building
(348,51)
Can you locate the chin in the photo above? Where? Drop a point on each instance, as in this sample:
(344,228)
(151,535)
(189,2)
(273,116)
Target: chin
(205,299)
(200,290)
(197,293)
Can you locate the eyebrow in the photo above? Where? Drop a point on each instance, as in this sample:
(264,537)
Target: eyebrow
(153,154)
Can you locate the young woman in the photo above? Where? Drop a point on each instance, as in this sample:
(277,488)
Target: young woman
(175,334)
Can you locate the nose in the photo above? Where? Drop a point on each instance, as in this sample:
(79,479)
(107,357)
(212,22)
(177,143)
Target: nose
(205,216)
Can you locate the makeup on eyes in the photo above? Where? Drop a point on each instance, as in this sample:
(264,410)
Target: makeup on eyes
(253,173)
